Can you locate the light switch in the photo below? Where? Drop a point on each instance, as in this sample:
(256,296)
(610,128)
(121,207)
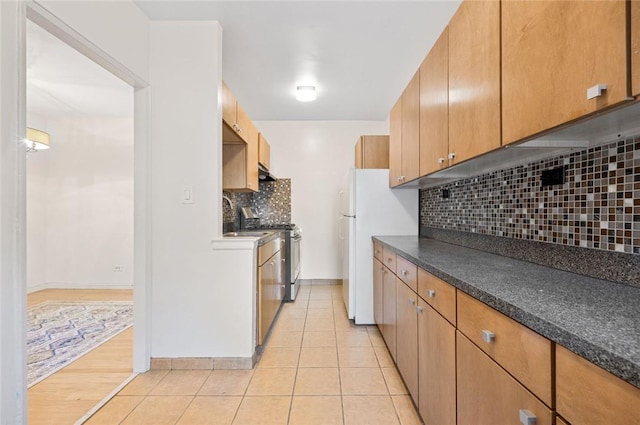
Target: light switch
(187,194)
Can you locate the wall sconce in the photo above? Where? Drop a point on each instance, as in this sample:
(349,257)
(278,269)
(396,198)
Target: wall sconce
(37,140)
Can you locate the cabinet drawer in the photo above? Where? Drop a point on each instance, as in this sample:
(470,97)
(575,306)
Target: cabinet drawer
(522,352)
(588,394)
(489,395)
(407,272)
(377,250)
(389,258)
(438,294)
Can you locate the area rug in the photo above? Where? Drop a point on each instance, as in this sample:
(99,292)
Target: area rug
(60,332)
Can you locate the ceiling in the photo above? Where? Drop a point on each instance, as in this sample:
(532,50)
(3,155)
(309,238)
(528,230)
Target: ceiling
(63,82)
(359,54)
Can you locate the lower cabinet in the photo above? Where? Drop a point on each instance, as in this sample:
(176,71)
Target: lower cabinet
(388,329)
(407,337)
(587,394)
(378,279)
(487,395)
(437,367)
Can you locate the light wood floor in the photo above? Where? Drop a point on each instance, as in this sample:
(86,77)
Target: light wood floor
(317,369)
(70,393)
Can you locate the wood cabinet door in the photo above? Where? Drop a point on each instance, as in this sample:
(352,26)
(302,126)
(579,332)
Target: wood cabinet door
(552,52)
(264,151)
(560,421)
(635,47)
(411,130)
(378,280)
(434,107)
(395,144)
(389,312)
(228,106)
(234,165)
(524,353)
(375,151)
(252,156)
(407,337)
(587,394)
(358,153)
(437,367)
(474,79)
(487,395)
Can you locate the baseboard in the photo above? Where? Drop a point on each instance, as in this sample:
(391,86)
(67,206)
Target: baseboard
(58,285)
(202,363)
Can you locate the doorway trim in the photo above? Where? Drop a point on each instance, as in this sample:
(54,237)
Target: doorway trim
(38,14)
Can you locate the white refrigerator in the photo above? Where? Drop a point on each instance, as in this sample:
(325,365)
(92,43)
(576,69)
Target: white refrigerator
(369,207)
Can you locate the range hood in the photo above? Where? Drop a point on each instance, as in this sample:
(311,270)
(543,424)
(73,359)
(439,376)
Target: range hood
(264,175)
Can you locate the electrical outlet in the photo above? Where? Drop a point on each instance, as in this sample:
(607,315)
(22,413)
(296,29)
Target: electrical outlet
(117,268)
(552,177)
(445,193)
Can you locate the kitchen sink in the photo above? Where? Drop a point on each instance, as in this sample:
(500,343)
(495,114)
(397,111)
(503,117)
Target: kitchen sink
(249,234)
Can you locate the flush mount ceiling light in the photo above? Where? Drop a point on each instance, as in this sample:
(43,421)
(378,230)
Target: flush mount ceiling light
(37,140)
(306,93)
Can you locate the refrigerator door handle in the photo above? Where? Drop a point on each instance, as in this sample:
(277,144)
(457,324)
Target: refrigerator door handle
(340,227)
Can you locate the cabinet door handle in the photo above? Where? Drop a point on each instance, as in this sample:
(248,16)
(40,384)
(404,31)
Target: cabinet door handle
(389,259)
(412,302)
(420,309)
(403,178)
(284,260)
(441,160)
(451,155)
(431,293)
(595,91)
(399,179)
(272,263)
(488,336)
(404,272)
(527,418)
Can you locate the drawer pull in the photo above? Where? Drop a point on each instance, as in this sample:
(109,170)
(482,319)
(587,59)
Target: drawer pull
(488,336)
(389,259)
(595,91)
(527,418)
(431,293)
(420,309)
(404,272)
(412,302)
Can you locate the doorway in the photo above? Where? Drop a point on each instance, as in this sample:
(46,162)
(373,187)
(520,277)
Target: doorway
(79,208)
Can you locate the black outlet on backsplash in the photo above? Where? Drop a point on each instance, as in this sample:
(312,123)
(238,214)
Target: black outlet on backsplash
(445,193)
(552,177)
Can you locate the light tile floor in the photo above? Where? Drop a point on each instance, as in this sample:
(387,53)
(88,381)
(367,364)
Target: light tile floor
(317,369)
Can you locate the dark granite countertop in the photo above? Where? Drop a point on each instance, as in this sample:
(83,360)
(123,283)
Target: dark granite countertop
(596,319)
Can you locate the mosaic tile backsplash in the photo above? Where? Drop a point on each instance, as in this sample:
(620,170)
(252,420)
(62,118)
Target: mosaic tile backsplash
(597,207)
(272,204)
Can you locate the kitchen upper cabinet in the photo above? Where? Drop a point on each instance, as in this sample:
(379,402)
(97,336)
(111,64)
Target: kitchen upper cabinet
(587,394)
(404,135)
(434,107)
(437,367)
(635,47)
(560,421)
(240,146)
(372,152)
(264,151)
(487,395)
(239,127)
(411,130)
(395,143)
(407,337)
(474,80)
(555,55)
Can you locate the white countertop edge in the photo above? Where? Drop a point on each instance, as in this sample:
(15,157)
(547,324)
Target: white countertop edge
(234,243)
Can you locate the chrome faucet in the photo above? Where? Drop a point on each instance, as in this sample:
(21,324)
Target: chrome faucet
(228,200)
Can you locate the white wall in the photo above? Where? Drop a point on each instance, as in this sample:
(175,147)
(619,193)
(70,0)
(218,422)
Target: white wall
(80,204)
(316,155)
(187,151)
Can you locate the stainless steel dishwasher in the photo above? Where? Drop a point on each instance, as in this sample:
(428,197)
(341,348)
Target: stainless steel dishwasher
(271,287)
